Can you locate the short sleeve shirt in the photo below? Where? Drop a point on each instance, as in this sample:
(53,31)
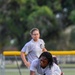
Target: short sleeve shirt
(54,70)
(35,66)
(33,49)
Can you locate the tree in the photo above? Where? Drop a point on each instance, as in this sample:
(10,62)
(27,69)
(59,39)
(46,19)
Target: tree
(17,17)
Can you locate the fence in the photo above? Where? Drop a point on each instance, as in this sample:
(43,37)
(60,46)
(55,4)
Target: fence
(13,62)
(2,64)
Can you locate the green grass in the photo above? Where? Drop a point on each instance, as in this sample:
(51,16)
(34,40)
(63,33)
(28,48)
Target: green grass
(26,71)
(69,71)
(61,65)
(16,72)
(68,65)
(13,70)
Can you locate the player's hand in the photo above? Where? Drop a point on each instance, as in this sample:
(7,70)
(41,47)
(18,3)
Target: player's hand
(27,64)
(44,49)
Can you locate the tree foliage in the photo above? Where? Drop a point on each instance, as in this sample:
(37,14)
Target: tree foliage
(52,17)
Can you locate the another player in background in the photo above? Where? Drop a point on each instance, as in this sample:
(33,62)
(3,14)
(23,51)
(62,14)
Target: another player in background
(33,48)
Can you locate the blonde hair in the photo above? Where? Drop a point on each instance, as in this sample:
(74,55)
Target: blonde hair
(32,30)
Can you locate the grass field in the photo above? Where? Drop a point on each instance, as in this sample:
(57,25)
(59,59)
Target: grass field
(67,71)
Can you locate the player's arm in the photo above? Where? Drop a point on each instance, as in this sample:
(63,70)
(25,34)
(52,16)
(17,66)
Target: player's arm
(33,67)
(57,70)
(24,59)
(43,46)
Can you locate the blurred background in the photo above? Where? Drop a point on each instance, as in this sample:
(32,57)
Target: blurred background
(54,18)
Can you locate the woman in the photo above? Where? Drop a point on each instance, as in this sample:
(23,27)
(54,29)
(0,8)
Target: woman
(44,65)
(33,48)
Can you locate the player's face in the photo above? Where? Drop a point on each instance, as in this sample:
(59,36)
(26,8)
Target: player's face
(43,62)
(35,35)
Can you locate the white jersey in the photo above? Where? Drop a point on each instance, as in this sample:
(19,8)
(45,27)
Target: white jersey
(35,66)
(33,49)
